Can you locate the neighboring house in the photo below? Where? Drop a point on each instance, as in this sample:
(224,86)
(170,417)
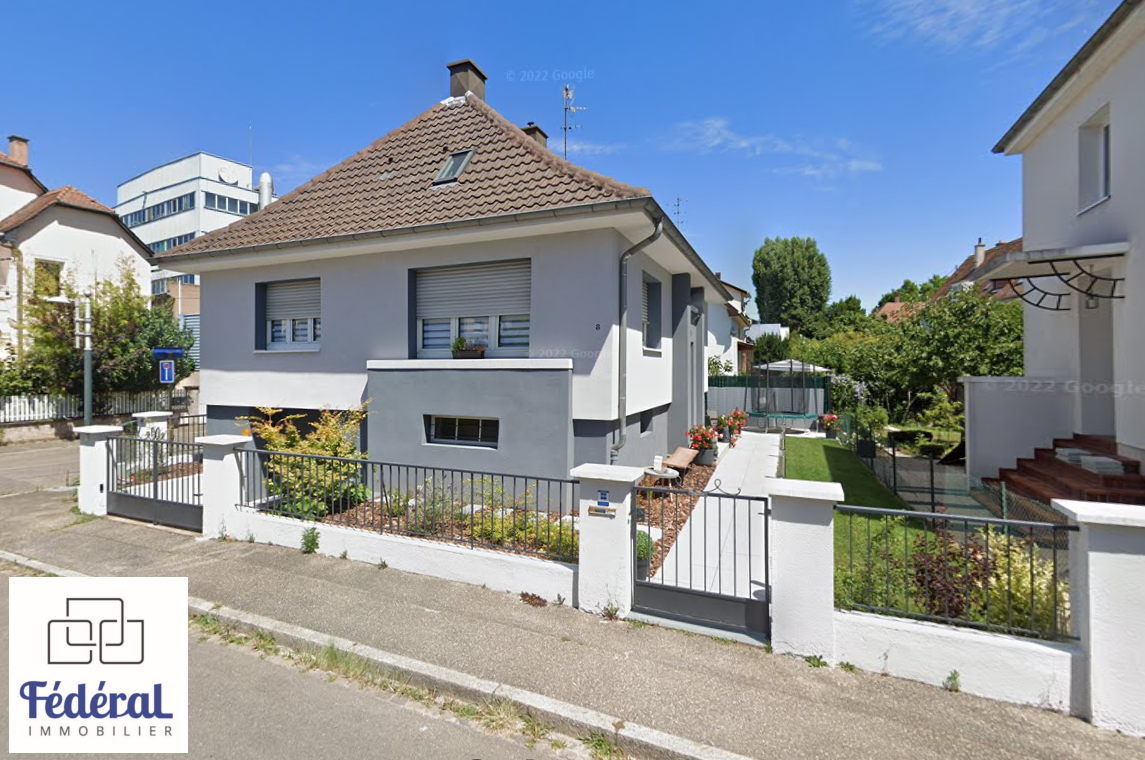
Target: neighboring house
(727,330)
(1081,272)
(894,311)
(963,275)
(589,302)
(53,237)
(758,330)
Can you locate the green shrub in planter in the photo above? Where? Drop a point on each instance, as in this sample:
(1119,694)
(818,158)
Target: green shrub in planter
(643,546)
(932,449)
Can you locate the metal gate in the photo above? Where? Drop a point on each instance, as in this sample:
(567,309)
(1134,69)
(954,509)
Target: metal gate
(703,558)
(156,480)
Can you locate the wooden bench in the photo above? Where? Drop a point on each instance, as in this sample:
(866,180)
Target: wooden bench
(681,459)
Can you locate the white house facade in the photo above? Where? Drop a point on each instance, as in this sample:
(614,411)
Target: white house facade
(53,237)
(727,331)
(589,305)
(1081,266)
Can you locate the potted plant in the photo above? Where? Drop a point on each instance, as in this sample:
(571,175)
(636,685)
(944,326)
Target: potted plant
(738,419)
(830,425)
(467,349)
(725,427)
(644,549)
(703,439)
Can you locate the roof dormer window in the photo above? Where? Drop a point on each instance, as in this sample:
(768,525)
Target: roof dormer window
(453,167)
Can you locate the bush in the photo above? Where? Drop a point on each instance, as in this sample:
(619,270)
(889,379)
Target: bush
(1019,573)
(644,546)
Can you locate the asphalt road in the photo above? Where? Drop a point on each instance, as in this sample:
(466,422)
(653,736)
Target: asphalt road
(253,708)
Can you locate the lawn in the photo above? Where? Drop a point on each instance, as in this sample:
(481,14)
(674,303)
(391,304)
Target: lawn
(828,461)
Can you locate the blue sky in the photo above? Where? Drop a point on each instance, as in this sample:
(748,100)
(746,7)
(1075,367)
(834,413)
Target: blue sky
(866,124)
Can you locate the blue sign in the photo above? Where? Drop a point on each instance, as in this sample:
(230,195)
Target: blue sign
(167,371)
(602,498)
(164,352)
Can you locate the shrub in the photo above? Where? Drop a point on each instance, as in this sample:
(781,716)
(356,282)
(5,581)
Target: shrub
(1023,590)
(310,540)
(948,574)
(644,546)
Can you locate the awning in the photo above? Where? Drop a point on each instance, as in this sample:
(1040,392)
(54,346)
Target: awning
(1047,278)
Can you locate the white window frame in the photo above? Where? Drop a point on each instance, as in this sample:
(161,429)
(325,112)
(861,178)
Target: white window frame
(1094,161)
(290,342)
(493,347)
(432,438)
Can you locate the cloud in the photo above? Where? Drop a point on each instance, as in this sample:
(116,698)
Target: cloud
(956,25)
(586,148)
(816,158)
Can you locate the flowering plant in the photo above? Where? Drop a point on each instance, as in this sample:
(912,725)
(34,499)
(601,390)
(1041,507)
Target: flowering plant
(829,421)
(701,437)
(738,419)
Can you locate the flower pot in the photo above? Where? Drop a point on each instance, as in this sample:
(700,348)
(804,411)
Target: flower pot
(705,457)
(642,568)
(832,434)
(469,353)
(728,433)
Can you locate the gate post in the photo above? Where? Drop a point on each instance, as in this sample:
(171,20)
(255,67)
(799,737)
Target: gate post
(802,552)
(94,467)
(152,425)
(605,570)
(222,485)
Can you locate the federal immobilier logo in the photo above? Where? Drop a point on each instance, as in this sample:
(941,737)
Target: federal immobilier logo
(97,665)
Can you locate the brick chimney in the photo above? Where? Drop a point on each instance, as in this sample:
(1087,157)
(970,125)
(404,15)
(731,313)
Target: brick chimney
(465,76)
(18,149)
(979,253)
(538,134)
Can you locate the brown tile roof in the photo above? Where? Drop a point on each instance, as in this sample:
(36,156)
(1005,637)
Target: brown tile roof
(64,196)
(389,184)
(893,311)
(964,270)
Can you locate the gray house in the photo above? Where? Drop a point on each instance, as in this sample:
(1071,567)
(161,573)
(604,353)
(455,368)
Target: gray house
(588,302)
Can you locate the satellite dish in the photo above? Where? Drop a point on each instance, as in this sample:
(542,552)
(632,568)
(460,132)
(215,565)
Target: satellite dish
(227,175)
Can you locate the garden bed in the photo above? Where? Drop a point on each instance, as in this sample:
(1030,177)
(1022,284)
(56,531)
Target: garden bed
(669,512)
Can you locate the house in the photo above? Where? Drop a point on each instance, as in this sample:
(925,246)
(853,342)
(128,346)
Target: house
(589,304)
(758,330)
(894,311)
(963,275)
(1075,424)
(49,237)
(727,331)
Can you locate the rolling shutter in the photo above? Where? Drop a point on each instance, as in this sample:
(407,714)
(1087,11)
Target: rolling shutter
(480,290)
(296,299)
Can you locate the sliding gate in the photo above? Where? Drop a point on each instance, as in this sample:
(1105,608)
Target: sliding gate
(156,480)
(703,558)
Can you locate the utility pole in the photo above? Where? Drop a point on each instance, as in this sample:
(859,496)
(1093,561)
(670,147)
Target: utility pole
(570,110)
(83,340)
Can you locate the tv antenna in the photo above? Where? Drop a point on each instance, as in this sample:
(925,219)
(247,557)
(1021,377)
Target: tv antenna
(570,111)
(678,210)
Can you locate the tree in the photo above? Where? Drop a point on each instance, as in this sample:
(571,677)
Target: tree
(792,282)
(840,316)
(770,347)
(125,330)
(912,292)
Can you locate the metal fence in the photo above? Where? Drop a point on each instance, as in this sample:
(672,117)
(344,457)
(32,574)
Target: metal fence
(166,471)
(1007,576)
(514,513)
(187,427)
(18,409)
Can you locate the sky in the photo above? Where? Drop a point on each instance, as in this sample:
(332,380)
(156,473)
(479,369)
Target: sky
(865,124)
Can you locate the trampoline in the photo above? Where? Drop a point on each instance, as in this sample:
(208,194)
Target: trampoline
(789,394)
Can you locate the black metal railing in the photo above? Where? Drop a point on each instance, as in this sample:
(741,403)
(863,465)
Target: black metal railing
(187,427)
(1006,576)
(156,469)
(523,514)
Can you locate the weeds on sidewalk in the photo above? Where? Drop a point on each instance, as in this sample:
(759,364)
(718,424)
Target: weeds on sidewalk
(602,747)
(953,682)
(501,716)
(533,600)
(81,517)
(815,661)
(309,540)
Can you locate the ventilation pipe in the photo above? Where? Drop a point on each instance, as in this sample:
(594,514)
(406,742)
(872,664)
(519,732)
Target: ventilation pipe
(265,190)
(622,366)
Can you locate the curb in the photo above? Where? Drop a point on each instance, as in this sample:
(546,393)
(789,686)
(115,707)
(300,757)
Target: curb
(565,717)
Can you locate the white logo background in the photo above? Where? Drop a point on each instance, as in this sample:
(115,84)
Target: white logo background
(150,625)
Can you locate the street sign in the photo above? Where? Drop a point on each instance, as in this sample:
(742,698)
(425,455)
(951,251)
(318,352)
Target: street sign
(161,353)
(167,371)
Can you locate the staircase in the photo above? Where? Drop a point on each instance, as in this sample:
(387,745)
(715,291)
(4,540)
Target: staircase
(1084,467)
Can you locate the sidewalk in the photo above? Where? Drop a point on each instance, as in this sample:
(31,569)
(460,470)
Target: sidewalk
(737,697)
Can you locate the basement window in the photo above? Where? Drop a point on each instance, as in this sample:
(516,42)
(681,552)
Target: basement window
(454,166)
(467,431)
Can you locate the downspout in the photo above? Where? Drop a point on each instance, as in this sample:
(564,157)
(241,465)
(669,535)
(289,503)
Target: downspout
(622,365)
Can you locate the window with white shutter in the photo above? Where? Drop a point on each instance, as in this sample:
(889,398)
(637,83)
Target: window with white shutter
(292,311)
(650,312)
(483,304)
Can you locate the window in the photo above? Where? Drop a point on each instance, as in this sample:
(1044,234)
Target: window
(48,278)
(291,314)
(160,246)
(650,312)
(467,431)
(1095,163)
(453,167)
(487,304)
(160,210)
(218,202)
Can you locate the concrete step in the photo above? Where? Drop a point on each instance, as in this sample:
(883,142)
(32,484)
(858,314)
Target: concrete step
(1046,461)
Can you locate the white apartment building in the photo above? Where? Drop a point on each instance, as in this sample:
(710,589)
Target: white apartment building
(180,200)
